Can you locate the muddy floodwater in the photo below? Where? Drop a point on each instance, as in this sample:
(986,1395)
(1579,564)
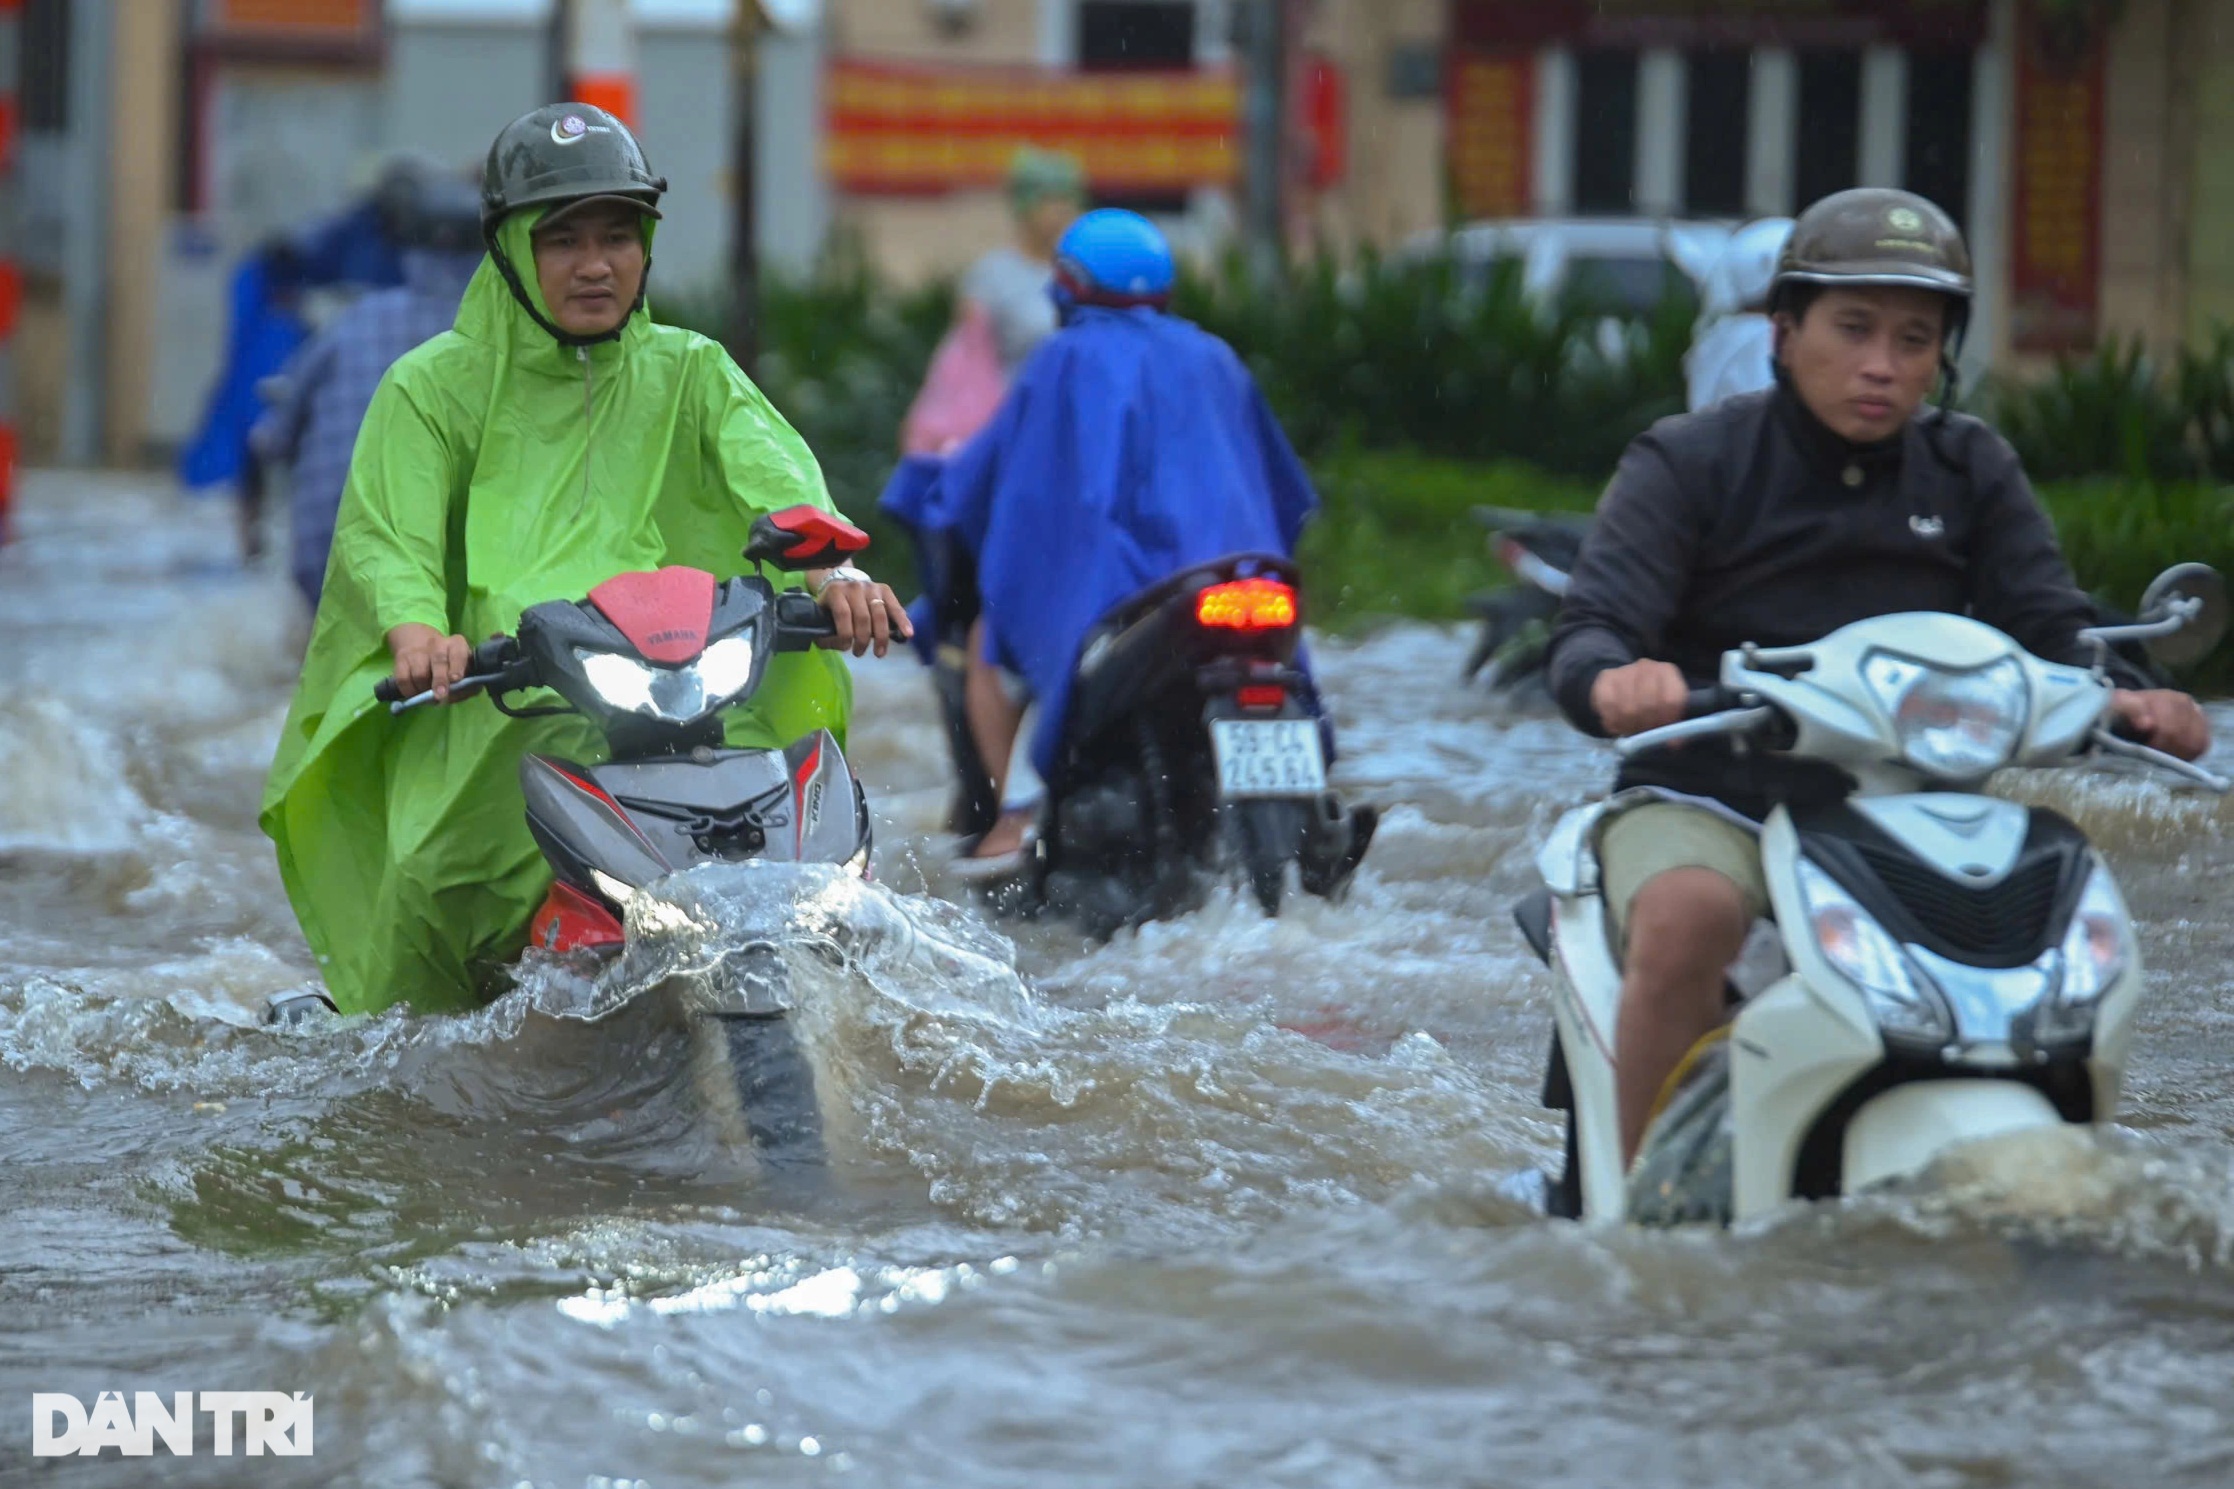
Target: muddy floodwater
(1227,1202)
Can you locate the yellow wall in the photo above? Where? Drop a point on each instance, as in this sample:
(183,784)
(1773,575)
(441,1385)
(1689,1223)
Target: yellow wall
(2141,252)
(1393,187)
(2210,267)
(1005,31)
(144,123)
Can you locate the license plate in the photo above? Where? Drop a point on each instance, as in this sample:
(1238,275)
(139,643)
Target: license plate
(1280,757)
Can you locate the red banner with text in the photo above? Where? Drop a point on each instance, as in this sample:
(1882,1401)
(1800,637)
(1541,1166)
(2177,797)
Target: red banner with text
(899,129)
(2055,259)
(1491,105)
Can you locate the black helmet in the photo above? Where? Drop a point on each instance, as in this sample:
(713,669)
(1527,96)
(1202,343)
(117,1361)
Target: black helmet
(1875,235)
(444,216)
(565,152)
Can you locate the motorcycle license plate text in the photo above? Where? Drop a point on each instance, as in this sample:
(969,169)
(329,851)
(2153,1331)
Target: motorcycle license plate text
(1280,757)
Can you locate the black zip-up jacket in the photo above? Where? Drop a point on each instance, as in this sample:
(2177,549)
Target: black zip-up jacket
(1752,521)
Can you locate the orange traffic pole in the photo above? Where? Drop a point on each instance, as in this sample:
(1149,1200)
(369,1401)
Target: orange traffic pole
(601,57)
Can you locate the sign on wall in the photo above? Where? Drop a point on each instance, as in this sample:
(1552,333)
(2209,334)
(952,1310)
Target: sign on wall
(897,128)
(2055,261)
(1490,120)
(335,30)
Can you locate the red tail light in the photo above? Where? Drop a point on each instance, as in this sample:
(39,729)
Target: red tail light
(1247,605)
(1261,695)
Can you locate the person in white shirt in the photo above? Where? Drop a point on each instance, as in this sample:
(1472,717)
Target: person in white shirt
(1733,348)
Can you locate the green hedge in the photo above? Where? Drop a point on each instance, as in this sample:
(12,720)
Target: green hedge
(1423,356)
(1418,392)
(1395,537)
(2125,413)
(841,356)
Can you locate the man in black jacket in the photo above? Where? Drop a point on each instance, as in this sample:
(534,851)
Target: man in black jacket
(1776,518)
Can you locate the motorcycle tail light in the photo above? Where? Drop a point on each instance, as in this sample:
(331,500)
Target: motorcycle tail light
(1261,695)
(1247,605)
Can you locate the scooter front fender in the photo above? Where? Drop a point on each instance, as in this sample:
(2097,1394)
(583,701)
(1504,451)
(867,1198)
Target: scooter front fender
(1900,1132)
(1793,1048)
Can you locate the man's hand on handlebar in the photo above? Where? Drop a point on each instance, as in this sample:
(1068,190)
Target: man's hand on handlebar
(425,658)
(1642,695)
(2164,719)
(865,614)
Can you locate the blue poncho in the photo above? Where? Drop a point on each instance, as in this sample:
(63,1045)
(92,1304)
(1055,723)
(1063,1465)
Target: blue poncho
(1132,445)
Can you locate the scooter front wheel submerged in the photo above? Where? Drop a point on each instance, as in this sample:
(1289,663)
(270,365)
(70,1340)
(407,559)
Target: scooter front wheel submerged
(775,1088)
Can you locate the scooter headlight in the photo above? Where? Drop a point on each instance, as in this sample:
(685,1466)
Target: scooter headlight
(2097,949)
(1909,1008)
(674,694)
(1959,726)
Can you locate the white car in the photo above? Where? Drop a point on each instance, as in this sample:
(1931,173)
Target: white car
(1624,261)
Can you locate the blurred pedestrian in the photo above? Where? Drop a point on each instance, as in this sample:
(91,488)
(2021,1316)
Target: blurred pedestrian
(359,248)
(320,399)
(1004,310)
(1733,349)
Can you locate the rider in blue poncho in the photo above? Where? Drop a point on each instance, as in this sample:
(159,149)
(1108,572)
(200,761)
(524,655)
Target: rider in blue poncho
(1132,445)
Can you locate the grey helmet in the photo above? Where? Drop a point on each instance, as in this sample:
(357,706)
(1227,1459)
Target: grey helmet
(444,216)
(560,155)
(565,152)
(1875,235)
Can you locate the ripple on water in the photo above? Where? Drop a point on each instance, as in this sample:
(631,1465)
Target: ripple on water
(1216,1202)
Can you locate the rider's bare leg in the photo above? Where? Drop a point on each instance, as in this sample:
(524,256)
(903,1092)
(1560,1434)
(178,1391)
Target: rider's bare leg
(995,717)
(1684,928)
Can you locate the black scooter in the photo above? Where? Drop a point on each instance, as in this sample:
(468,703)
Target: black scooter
(1538,549)
(1192,745)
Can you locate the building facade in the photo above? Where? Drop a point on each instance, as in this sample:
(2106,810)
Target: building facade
(2087,147)
(169,136)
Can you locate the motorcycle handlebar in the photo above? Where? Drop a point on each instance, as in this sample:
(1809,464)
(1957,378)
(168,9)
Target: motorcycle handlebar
(801,621)
(1713,698)
(491,664)
(1714,710)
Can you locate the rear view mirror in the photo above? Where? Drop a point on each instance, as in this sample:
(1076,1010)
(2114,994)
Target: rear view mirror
(2198,585)
(804,537)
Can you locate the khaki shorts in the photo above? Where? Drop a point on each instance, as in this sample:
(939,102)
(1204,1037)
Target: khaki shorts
(1645,841)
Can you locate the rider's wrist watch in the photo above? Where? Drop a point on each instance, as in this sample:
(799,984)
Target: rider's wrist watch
(842,574)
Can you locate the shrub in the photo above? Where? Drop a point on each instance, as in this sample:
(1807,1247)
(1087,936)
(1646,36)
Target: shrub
(1395,535)
(2110,414)
(841,356)
(2121,412)
(1419,355)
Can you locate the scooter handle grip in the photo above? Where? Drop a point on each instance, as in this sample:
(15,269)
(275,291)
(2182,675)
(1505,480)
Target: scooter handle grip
(1714,698)
(801,621)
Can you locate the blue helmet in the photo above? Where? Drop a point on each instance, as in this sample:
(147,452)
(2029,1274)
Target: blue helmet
(1114,257)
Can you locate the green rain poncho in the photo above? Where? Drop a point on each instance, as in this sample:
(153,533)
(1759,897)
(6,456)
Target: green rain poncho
(498,469)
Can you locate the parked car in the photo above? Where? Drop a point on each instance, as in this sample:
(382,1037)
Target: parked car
(1624,263)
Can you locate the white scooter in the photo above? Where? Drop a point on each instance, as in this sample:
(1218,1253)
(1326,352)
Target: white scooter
(1943,966)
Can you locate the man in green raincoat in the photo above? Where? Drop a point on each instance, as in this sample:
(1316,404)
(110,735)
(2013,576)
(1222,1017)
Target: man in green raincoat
(554,438)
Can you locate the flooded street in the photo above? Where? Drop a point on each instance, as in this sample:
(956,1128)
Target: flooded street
(1227,1202)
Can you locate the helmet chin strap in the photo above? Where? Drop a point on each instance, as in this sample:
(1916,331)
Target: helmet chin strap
(563,337)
